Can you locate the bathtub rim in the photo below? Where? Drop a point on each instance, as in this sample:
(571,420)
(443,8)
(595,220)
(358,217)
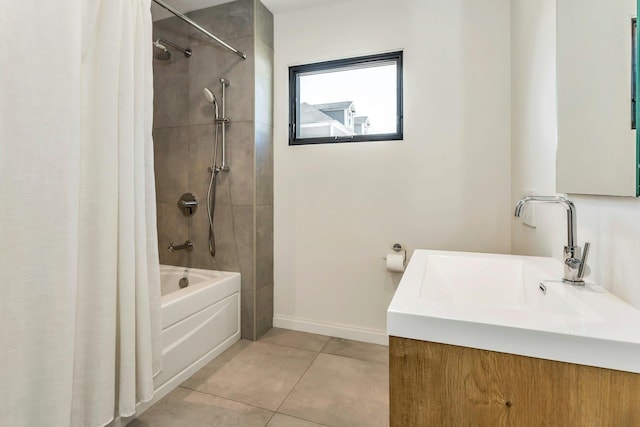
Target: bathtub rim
(179,294)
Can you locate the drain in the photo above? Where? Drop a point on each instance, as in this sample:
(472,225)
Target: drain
(542,288)
(184,282)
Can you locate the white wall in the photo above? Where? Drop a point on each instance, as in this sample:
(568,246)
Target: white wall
(611,224)
(533,120)
(339,208)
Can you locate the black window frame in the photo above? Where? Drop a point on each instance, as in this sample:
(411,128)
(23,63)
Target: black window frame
(634,71)
(294,90)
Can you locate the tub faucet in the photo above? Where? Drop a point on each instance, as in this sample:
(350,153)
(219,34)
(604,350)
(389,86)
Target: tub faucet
(574,258)
(188,245)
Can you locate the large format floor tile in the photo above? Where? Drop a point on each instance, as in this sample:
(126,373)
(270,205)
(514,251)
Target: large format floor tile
(302,340)
(262,374)
(186,408)
(341,392)
(310,380)
(196,381)
(280,420)
(357,350)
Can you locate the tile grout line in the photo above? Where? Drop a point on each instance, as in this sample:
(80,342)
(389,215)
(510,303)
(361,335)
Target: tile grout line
(296,384)
(252,405)
(301,419)
(273,412)
(277,410)
(361,359)
(350,357)
(290,346)
(355,358)
(226,398)
(270,418)
(326,344)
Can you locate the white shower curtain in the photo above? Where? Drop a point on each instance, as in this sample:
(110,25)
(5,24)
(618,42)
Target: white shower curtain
(79,275)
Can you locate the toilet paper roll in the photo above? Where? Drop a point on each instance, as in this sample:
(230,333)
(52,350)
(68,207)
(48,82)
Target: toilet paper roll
(395,262)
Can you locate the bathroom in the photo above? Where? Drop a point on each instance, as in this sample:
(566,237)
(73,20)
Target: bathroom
(307,227)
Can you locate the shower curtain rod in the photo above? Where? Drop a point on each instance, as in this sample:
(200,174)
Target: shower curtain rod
(198,27)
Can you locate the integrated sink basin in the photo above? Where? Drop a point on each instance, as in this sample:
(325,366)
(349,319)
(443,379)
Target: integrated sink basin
(491,282)
(513,304)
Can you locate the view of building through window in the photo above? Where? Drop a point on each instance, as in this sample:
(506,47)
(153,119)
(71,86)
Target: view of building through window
(349,101)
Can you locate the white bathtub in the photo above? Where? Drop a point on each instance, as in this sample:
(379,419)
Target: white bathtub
(198,323)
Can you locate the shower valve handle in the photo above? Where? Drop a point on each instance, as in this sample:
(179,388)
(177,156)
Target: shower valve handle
(188,204)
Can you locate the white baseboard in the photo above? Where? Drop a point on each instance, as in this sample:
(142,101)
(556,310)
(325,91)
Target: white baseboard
(331,329)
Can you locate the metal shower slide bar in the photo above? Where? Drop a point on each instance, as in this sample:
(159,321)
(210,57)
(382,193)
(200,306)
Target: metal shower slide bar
(199,28)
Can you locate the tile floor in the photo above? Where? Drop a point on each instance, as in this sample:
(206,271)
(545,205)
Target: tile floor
(286,379)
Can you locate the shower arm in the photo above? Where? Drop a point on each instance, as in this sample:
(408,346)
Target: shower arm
(198,27)
(187,52)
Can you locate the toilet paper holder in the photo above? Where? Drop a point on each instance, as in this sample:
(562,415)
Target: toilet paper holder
(397,247)
(397,259)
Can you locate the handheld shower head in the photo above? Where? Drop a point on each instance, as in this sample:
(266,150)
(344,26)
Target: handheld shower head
(211,98)
(209,95)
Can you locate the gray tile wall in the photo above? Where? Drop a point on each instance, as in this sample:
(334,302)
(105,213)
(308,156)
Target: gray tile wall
(263,48)
(183,137)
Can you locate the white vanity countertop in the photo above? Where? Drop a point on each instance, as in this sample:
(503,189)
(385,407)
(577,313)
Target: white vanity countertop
(495,302)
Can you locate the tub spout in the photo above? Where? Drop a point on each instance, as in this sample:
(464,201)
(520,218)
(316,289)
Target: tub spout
(188,246)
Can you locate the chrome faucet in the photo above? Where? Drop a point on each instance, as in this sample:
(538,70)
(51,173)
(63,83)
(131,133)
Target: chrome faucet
(574,258)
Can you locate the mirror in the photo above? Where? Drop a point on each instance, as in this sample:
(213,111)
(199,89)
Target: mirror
(597,146)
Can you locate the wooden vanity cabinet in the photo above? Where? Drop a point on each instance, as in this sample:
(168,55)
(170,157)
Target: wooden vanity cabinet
(439,385)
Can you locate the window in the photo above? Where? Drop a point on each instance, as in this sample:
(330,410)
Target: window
(347,100)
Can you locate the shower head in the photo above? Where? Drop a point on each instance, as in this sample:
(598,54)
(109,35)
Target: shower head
(211,99)
(160,51)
